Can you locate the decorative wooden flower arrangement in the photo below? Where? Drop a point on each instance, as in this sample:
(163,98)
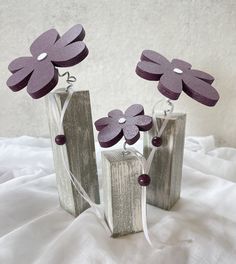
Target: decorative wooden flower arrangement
(69,113)
(123,169)
(127,174)
(166,151)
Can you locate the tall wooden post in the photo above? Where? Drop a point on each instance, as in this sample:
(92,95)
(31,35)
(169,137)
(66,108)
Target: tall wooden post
(122,193)
(166,168)
(79,151)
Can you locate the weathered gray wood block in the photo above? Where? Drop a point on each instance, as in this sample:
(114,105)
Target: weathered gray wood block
(166,168)
(79,151)
(122,193)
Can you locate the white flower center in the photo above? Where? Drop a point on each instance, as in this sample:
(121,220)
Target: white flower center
(42,56)
(122,120)
(177,70)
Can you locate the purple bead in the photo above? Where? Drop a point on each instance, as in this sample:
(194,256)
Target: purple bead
(144,180)
(156,141)
(60,139)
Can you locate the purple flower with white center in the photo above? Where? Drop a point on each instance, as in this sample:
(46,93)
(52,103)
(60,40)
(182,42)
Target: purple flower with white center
(177,76)
(49,51)
(118,124)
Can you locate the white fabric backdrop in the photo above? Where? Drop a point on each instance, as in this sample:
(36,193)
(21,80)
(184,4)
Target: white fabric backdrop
(34,229)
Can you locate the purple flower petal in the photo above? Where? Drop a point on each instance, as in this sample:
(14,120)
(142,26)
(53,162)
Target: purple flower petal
(183,65)
(109,135)
(202,75)
(69,55)
(200,91)
(20,63)
(176,77)
(170,85)
(43,79)
(149,70)
(143,122)
(76,33)
(116,113)
(134,110)
(131,134)
(102,122)
(44,42)
(117,124)
(19,79)
(150,55)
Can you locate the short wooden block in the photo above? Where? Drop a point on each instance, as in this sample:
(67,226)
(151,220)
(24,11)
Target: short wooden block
(122,193)
(166,168)
(79,151)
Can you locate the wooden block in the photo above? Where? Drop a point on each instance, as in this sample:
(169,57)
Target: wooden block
(166,168)
(122,193)
(79,151)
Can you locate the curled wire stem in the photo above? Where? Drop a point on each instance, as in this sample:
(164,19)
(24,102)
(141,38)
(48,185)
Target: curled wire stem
(165,111)
(169,111)
(70,79)
(125,151)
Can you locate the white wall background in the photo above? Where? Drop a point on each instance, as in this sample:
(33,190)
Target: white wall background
(201,32)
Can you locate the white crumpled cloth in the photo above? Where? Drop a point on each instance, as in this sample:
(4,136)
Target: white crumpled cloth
(200,229)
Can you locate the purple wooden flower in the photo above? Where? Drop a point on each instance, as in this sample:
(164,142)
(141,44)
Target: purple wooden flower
(118,124)
(38,72)
(177,76)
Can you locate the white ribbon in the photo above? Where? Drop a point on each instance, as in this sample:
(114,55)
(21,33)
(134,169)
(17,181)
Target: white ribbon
(146,164)
(58,118)
(159,133)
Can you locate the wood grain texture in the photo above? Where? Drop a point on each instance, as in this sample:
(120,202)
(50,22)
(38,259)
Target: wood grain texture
(122,193)
(79,151)
(166,168)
